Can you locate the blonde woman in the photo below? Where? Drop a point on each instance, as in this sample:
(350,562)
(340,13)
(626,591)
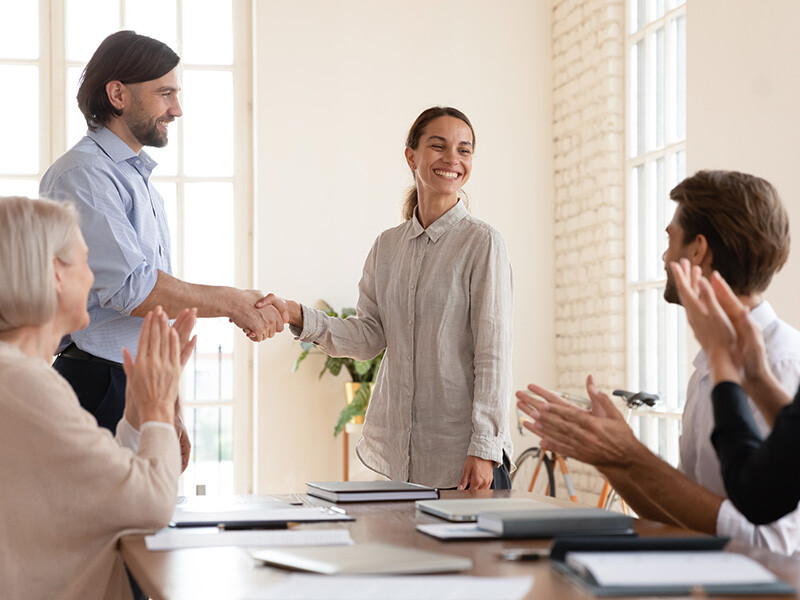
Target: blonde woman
(70,489)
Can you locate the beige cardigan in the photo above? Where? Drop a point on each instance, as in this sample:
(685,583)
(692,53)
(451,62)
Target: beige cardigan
(68,490)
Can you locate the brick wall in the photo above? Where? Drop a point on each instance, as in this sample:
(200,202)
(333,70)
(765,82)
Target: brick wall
(588,99)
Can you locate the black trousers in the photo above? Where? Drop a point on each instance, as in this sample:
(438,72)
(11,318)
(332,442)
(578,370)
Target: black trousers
(502,477)
(100,389)
(99,386)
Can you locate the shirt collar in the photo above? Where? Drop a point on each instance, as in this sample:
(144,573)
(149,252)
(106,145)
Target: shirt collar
(119,151)
(763,315)
(441,225)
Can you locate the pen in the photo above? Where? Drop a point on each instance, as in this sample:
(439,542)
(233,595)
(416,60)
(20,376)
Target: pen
(525,554)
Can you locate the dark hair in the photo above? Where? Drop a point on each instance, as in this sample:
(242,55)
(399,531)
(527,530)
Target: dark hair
(123,56)
(744,222)
(412,141)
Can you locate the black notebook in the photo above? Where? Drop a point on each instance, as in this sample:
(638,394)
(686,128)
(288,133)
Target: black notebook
(369,491)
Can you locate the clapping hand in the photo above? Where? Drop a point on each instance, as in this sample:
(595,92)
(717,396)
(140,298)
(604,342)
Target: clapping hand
(599,436)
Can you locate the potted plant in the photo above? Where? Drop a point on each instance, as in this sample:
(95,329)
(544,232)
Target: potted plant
(362,372)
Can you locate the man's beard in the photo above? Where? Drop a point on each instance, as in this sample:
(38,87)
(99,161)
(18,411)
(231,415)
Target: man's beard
(144,129)
(147,133)
(671,290)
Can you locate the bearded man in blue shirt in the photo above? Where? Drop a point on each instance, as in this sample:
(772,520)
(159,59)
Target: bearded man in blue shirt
(129,96)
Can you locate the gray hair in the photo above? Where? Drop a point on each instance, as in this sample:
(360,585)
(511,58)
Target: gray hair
(32,234)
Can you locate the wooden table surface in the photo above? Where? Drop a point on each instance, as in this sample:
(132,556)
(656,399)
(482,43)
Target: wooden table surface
(229,573)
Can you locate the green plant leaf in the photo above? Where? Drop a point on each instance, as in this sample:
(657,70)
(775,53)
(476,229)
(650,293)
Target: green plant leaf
(348,312)
(334,365)
(362,367)
(357,408)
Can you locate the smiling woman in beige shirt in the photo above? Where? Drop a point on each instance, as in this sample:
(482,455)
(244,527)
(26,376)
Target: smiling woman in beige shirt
(436,292)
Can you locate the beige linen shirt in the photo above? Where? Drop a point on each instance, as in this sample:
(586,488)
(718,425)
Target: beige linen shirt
(69,491)
(440,301)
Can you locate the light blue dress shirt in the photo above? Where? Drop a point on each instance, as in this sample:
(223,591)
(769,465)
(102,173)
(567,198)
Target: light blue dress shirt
(125,226)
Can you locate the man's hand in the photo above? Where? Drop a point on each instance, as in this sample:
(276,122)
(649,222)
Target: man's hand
(259,323)
(599,437)
(183,436)
(152,379)
(478,474)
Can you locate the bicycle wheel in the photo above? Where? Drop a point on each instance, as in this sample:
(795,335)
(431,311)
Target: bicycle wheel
(527,463)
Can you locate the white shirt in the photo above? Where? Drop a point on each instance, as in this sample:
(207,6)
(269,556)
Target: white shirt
(440,301)
(698,459)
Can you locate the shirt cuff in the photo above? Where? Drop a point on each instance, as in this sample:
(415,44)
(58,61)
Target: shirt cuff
(487,448)
(127,435)
(311,325)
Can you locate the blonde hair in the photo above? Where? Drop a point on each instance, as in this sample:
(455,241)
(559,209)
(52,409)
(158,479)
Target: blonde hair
(32,234)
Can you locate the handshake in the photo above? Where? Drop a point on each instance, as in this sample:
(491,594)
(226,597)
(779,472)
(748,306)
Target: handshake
(260,316)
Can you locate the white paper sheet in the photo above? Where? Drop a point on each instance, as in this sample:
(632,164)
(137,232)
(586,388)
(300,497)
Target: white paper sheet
(428,587)
(670,568)
(293,514)
(455,531)
(173,539)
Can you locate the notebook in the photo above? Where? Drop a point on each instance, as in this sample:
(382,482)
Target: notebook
(362,559)
(551,522)
(369,491)
(619,566)
(468,509)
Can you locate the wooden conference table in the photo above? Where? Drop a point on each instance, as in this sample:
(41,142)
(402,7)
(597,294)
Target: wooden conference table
(229,573)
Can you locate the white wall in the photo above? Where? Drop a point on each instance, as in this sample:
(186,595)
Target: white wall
(337,85)
(743,90)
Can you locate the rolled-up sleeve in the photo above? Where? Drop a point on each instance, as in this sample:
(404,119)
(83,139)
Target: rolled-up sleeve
(360,337)
(491,300)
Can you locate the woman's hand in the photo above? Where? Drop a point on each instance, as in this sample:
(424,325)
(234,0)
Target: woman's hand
(153,377)
(711,325)
(478,474)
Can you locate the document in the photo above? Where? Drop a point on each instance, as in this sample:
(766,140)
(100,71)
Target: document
(201,537)
(430,587)
(264,517)
(456,531)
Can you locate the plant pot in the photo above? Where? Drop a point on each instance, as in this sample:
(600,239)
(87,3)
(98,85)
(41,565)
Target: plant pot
(350,389)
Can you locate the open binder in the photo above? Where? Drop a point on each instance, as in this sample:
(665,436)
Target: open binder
(667,559)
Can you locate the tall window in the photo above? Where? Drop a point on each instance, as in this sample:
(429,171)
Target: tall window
(203,175)
(656,161)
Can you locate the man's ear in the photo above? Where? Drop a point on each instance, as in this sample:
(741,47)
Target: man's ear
(700,254)
(117,94)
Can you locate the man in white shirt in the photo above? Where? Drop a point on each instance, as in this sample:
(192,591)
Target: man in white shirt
(736,224)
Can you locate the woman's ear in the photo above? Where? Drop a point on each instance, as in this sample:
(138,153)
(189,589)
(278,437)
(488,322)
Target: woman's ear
(410,159)
(58,267)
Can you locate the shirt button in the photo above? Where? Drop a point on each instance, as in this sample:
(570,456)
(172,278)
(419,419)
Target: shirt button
(138,162)
(413,285)
(409,357)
